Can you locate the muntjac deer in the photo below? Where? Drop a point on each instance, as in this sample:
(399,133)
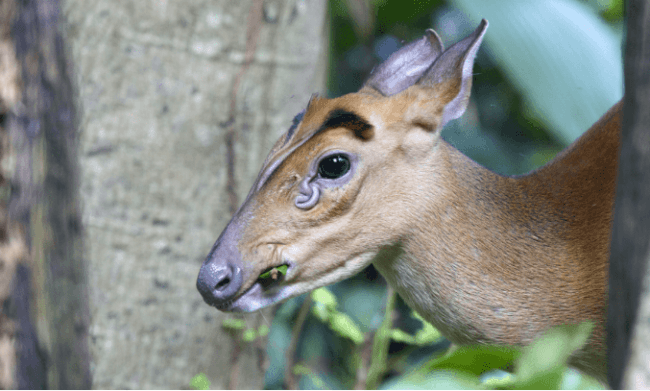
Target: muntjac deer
(365,178)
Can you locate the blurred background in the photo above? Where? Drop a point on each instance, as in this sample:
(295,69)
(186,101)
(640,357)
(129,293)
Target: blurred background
(546,71)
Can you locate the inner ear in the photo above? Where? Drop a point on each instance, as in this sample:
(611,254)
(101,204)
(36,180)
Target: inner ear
(451,74)
(404,67)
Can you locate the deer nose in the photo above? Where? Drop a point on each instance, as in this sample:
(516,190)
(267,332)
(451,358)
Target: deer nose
(221,276)
(219,282)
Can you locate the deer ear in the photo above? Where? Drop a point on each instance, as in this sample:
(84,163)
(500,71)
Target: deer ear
(452,71)
(404,67)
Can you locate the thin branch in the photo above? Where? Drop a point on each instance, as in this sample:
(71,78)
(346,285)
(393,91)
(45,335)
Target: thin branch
(291,380)
(364,364)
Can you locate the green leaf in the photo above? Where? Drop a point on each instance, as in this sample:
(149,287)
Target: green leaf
(563,58)
(499,382)
(550,352)
(343,325)
(233,324)
(402,336)
(303,370)
(437,380)
(325,297)
(200,382)
(321,312)
(543,380)
(282,269)
(575,380)
(263,330)
(417,316)
(249,335)
(475,359)
(614,11)
(427,334)
(300,369)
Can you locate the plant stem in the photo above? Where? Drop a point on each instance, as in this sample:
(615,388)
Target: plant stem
(291,380)
(380,344)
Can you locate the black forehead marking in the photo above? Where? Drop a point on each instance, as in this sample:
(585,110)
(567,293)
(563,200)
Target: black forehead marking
(337,118)
(340,118)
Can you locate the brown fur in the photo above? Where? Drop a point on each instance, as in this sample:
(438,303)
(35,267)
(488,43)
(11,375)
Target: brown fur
(520,254)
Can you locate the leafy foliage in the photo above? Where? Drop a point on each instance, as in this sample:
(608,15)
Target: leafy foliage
(541,365)
(325,309)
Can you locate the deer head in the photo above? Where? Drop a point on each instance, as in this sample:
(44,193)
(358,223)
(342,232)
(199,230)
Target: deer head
(342,187)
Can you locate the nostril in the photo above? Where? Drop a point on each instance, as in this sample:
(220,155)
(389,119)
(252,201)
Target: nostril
(221,285)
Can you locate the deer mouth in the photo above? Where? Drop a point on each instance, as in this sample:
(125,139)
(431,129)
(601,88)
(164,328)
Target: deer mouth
(266,290)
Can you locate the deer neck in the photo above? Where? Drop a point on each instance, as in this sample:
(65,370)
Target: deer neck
(460,265)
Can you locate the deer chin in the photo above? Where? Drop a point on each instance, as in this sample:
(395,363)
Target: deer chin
(258,297)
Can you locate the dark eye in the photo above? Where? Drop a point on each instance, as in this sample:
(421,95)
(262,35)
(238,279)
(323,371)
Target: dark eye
(334,166)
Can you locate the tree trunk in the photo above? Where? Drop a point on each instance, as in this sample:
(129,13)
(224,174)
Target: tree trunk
(182,101)
(49,303)
(629,281)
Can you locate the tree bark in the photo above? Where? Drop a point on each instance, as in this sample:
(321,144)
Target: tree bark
(49,301)
(182,101)
(629,292)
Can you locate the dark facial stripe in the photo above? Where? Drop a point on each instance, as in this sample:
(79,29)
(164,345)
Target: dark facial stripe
(294,125)
(340,118)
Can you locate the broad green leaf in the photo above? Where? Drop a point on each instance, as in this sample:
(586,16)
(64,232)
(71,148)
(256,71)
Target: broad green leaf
(564,59)
(550,352)
(475,359)
(437,380)
(542,380)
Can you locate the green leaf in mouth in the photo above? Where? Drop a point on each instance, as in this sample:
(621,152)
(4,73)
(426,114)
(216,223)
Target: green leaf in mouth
(273,272)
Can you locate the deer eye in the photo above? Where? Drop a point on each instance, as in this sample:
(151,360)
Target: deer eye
(334,166)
